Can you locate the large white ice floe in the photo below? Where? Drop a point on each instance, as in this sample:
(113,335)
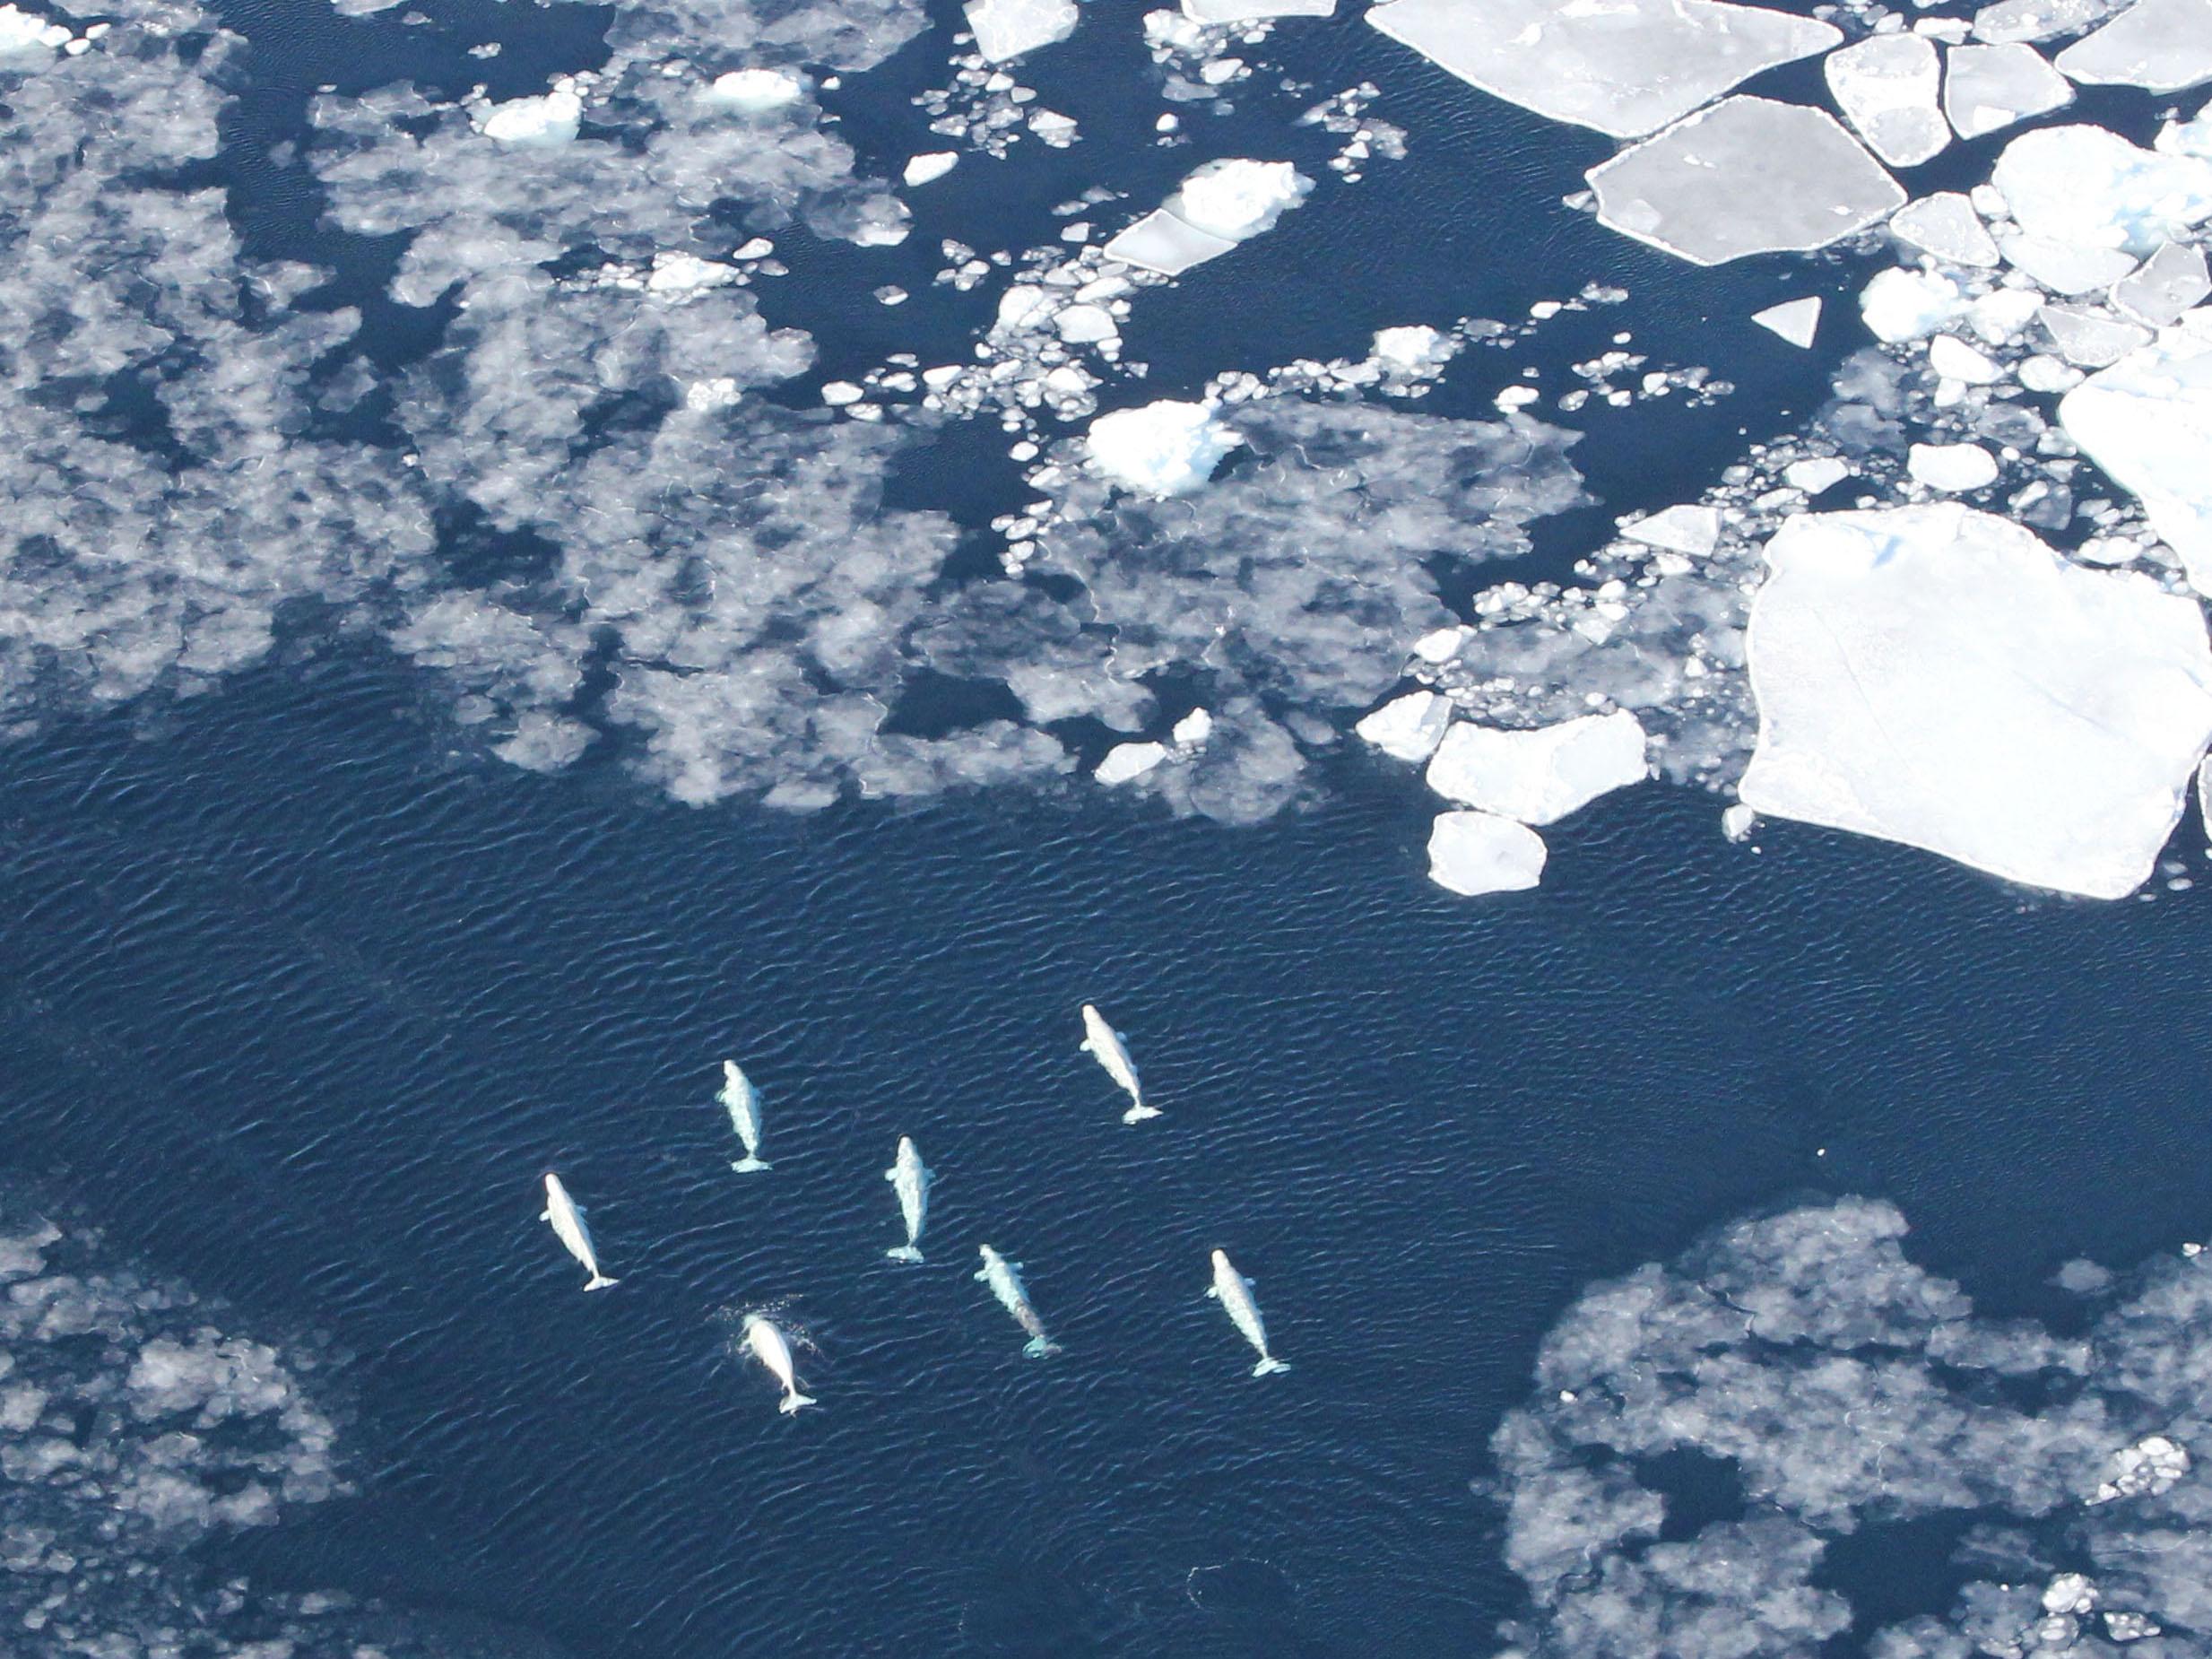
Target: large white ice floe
(533,123)
(1538,776)
(1988,88)
(1938,676)
(1627,67)
(2084,187)
(1946,225)
(2038,20)
(1159,450)
(1748,176)
(2147,422)
(1951,468)
(1473,853)
(1006,29)
(1216,207)
(1887,87)
(2160,45)
(1408,727)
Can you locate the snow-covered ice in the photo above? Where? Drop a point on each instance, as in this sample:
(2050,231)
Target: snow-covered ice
(1160,449)
(755,91)
(1538,776)
(933,164)
(26,39)
(2170,282)
(2160,45)
(1908,304)
(2147,422)
(1689,528)
(1407,728)
(1938,676)
(1951,468)
(1946,225)
(1125,762)
(2085,188)
(1161,242)
(1794,320)
(1816,473)
(1625,68)
(2090,339)
(1006,29)
(1954,359)
(534,122)
(1216,207)
(1748,176)
(1252,11)
(2038,20)
(1475,853)
(1887,87)
(1988,88)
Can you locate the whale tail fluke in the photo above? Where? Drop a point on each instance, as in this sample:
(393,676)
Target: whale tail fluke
(1269,1365)
(1138,1113)
(600,1281)
(749,1164)
(904,1253)
(1038,1347)
(793,1401)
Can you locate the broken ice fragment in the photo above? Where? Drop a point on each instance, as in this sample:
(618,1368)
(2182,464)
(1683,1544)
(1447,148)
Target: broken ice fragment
(1006,29)
(1252,11)
(1161,242)
(2037,20)
(1748,176)
(2172,279)
(1905,305)
(2147,422)
(26,40)
(1887,87)
(754,91)
(1216,207)
(2090,339)
(1951,468)
(1938,676)
(1820,473)
(1408,727)
(1795,320)
(921,168)
(1687,528)
(2093,190)
(1986,88)
(1160,449)
(2160,45)
(2066,267)
(1475,853)
(533,123)
(1953,358)
(1946,225)
(1540,775)
(1625,68)
(1125,762)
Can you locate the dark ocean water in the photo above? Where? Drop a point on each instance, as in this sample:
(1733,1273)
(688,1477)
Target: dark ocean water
(302,1008)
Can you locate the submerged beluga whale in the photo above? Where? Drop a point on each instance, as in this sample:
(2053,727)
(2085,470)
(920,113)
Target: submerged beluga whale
(909,1178)
(1004,1277)
(1233,1290)
(566,1216)
(1103,1042)
(743,1101)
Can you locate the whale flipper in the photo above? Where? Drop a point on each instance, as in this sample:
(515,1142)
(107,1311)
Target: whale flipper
(749,1164)
(1038,1347)
(1267,1367)
(600,1281)
(904,1253)
(1138,1113)
(791,1403)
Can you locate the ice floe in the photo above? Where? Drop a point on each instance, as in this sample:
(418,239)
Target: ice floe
(1794,320)
(1538,776)
(1938,676)
(2083,186)
(1951,468)
(1407,728)
(1159,450)
(1888,88)
(1006,29)
(1988,88)
(1748,176)
(2160,45)
(1219,205)
(1625,69)
(1475,853)
(1945,224)
(2147,422)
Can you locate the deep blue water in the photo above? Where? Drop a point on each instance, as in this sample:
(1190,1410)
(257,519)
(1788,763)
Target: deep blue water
(301,1009)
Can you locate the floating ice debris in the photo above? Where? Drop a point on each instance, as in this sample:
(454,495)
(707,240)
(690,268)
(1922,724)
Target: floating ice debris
(1938,676)
(1006,29)
(2152,1465)
(1955,360)
(1161,242)
(1748,176)
(2085,188)
(1625,69)
(1689,528)
(1946,225)
(26,39)
(1816,475)
(2090,339)
(2066,267)
(1253,11)
(2170,282)
(1738,820)
(1160,449)
(921,168)
(1794,320)
(1475,853)
(1907,305)
(1538,776)
(1236,199)
(1987,88)
(2160,45)
(1887,88)
(1408,728)
(1125,762)
(754,91)
(1413,346)
(1952,468)
(536,122)
(2038,20)
(2147,422)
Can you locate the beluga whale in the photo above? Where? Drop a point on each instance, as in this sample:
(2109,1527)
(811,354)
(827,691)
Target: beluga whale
(1104,1043)
(1004,1277)
(566,1216)
(1233,1290)
(909,1178)
(769,1346)
(744,1100)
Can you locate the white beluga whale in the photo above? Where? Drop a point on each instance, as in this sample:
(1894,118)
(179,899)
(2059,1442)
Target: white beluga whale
(769,1346)
(744,1103)
(1103,1041)
(566,1216)
(909,1178)
(1233,1290)
(1004,1277)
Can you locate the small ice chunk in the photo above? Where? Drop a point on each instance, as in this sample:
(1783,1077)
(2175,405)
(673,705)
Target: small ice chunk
(2042,373)
(1408,728)
(758,247)
(1886,86)
(1538,776)
(26,39)
(1748,176)
(2152,1465)
(2086,186)
(1953,358)
(1252,11)
(1085,324)
(1946,225)
(1125,762)
(1686,528)
(1159,450)
(1737,822)
(1625,68)
(1795,320)
(1951,468)
(1987,88)
(1475,853)
(1161,242)
(1999,315)
(1938,676)
(2069,1592)
(934,164)
(1006,29)
(755,91)
(677,275)
(1820,473)
(543,123)
(2147,422)
(2172,279)
(2090,339)
(1411,346)
(2037,20)
(1239,199)
(1192,730)
(2160,45)
(839,393)
(2066,267)
(1906,305)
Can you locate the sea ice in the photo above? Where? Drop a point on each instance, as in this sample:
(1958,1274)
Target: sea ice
(1946,225)
(1125,762)
(1216,207)
(1006,29)
(1748,176)
(1625,68)
(1986,88)
(26,39)
(1252,11)
(1408,728)
(2037,20)
(1887,87)
(2093,190)
(2147,422)
(1689,528)
(1817,473)
(1794,320)
(1951,468)
(1538,776)
(1954,359)
(533,123)
(1938,676)
(935,164)
(1159,450)
(1161,242)
(754,91)
(1905,305)
(2090,339)
(2171,280)
(1473,853)
(2160,45)
(2066,267)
